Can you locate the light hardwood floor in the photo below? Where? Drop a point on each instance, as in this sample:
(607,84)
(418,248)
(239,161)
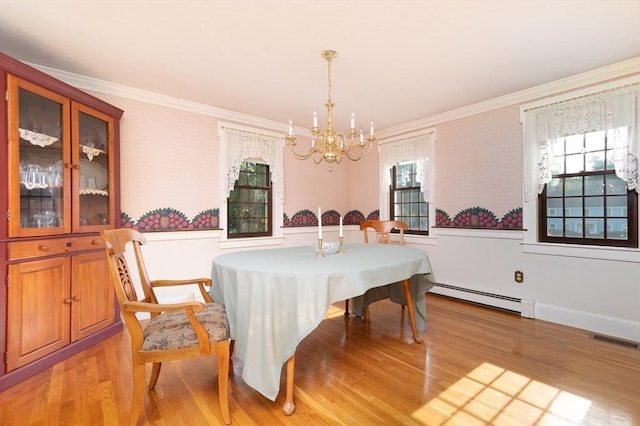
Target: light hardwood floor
(478,366)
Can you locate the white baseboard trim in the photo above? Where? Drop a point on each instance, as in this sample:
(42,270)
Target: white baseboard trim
(617,327)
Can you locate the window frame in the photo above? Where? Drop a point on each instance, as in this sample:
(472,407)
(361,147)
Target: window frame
(269,204)
(393,189)
(632,221)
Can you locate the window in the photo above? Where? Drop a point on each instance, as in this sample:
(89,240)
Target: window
(407,180)
(249,204)
(408,203)
(251,186)
(580,172)
(585,202)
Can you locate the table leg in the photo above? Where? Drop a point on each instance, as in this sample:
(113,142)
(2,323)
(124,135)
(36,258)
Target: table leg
(406,286)
(289,407)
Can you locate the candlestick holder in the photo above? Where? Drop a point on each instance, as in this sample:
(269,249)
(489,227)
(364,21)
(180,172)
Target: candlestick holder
(320,254)
(340,248)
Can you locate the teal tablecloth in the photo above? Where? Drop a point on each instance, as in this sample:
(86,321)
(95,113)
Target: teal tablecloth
(276,297)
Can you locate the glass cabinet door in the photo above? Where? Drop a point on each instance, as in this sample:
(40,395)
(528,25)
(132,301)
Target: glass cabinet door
(39,160)
(93,191)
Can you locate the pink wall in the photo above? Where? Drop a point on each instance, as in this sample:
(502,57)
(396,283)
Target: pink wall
(309,185)
(364,183)
(479,162)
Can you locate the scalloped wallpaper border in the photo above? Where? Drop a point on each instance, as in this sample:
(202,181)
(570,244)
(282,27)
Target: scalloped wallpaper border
(169,219)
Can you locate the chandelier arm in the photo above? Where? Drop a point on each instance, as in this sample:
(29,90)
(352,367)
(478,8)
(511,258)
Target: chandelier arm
(291,143)
(356,157)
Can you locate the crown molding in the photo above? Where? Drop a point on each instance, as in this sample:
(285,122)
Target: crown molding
(127,92)
(599,75)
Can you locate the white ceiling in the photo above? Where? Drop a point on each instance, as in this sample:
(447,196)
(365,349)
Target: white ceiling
(398,60)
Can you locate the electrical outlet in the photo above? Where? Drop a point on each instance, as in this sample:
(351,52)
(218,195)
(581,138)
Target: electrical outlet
(519,277)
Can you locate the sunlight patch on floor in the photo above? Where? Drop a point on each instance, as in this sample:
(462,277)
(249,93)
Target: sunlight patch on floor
(492,395)
(334,311)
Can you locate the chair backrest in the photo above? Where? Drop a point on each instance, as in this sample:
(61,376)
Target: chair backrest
(116,242)
(383,230)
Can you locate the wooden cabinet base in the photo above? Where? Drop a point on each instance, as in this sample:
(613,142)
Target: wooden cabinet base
(21,374)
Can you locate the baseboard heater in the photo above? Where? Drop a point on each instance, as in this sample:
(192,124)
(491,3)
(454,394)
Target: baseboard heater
(492,300)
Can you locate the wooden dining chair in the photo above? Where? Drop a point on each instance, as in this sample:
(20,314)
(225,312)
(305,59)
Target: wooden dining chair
(175,331)
(382,229)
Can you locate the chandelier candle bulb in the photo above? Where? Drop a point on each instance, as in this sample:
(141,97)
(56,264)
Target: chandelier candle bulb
(315,119)
(319,223)
(290,128)
(371,133)
(353,121)
(340,226)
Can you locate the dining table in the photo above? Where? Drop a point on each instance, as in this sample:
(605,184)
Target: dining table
(275,297)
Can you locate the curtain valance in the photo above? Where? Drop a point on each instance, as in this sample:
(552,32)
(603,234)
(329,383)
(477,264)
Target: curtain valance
(615,111)
(242,145)
(418,149)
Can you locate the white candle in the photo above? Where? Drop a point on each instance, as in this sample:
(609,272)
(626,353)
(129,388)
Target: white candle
(372,128)
(340,226)
(361,135)
(319,223)
(290,128)
(353,121)
(315,119)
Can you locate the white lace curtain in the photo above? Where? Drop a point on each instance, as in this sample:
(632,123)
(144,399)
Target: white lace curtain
(418,149)
(615,111)
(243,145)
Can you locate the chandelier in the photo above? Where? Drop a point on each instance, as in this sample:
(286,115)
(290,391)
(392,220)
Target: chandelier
(330,145)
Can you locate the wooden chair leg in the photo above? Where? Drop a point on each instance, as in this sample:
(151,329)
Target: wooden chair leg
(155,373)
(289,406)
(222,351)
(139,375)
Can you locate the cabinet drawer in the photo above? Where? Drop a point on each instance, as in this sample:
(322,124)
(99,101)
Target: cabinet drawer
(53,246)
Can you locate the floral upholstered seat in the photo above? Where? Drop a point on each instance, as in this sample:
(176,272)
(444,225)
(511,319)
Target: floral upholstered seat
(172,330)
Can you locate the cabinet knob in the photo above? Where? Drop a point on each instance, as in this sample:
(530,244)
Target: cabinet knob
(67,301)
(44,247)
(75,166)
(76,298)
(95,242)
(69,243)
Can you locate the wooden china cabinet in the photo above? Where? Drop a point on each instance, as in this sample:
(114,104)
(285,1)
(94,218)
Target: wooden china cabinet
(60,188)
